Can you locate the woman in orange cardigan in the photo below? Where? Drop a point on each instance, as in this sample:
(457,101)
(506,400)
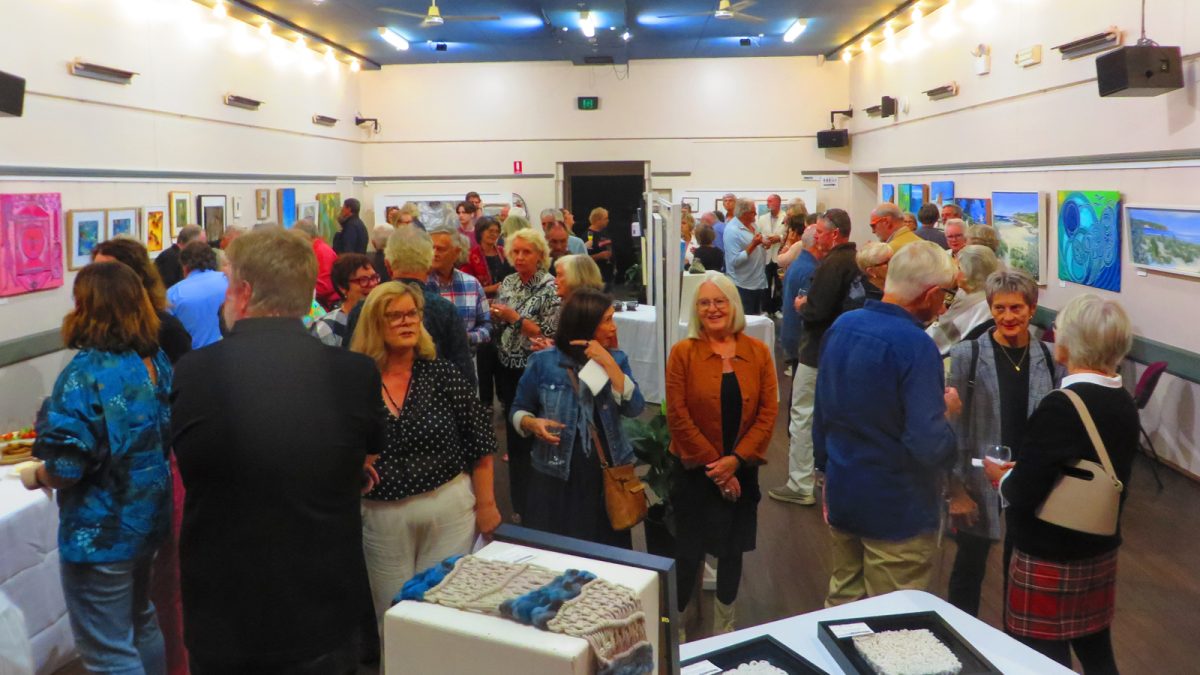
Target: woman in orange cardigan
(721,408)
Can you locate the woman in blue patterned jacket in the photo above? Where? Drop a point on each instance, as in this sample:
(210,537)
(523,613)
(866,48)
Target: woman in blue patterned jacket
(100,437)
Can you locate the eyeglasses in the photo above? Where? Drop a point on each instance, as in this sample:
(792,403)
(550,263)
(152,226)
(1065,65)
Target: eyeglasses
(876,221)
(719,303)
(370,280)
(401,318)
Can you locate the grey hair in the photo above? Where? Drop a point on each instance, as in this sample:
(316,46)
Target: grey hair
(188,234)
(809,238)
(553,213)
(743,206)
(724,284)
(534,238)
(956,221)
(887,209)
(1095,332)
(873,254)
(954,208)
(457,240)
(580,272)
(917,267)
(379,236)
(977,264)
(409,251)
(1008,281)
(306,227)
(984,235)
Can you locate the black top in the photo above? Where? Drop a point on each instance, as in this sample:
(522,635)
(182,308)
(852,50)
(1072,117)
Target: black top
(172,336)
(352,238)
(271,429)
(378,262)
(169,267)
(931,233)
(731,411)
(1055,437)
(498,268)
(711,257)
(598,242)
(826,299)
(442,430)
(1014,392)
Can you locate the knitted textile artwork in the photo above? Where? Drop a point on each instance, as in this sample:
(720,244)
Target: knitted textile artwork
(575,603)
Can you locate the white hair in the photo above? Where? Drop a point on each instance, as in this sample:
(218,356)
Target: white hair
(959,222)
(409,251)
(553,213)
(457,240)
(1095,332)
(977,264)
(809,238)
(915,269)
(724,284)
(534,238)
(873,254)
(742,206)
(379,236)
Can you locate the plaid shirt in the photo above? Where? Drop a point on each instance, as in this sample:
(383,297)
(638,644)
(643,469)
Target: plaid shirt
(467,295)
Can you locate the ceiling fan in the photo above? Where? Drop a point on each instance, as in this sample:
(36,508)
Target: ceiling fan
(725,10)
(433,16)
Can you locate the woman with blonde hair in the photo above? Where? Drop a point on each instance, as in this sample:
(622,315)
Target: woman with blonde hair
(434,493)
(573,272)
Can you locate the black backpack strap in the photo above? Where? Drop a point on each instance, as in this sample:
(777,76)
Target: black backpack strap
(1049,360)
(971,385)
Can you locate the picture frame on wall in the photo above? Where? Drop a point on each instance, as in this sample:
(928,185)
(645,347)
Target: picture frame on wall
(1164,238)
(122,223)
(1089,238)
(692,203)
(212,211)
(181,213)
(976,210)
(154,224)
(310,210)
(1020,222)
(285,206)
(262,204)
(236,203)
(330,207)
(85,229)
(888,193)
(31,246)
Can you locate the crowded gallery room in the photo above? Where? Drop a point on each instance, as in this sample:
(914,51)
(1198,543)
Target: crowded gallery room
(617,337)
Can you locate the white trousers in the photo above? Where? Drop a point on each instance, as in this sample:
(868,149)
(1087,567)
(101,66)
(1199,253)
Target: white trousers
(401,538)
(800,449)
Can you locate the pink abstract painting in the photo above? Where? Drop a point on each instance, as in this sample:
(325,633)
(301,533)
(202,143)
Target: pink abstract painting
(30,243)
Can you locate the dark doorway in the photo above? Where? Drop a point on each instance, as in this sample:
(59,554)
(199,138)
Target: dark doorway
(622,196)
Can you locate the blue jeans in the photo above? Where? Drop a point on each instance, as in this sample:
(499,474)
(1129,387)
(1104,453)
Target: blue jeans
(112,618)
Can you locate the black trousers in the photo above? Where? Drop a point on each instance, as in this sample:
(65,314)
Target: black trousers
(1095,652)
(517,446)
(752,299)
(343,661)
(486,363)
(729,577)
(774,299)
(970,565)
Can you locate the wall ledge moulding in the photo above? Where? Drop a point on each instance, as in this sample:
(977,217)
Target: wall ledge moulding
(1126,160)
(71,173)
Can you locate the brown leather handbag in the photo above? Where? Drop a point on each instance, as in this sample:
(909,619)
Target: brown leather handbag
(624,493)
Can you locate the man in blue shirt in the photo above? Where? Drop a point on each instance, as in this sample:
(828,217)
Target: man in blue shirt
(746,256)
(196,301)
(880,419)
(796,281)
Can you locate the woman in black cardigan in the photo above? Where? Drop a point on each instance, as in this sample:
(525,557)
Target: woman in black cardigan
(1062,582)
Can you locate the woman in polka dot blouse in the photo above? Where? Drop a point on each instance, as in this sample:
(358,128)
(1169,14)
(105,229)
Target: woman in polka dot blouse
(435,468)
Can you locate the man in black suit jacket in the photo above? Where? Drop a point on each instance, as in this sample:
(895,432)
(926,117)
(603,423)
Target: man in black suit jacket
(167,262)
(352,238)
(272,430)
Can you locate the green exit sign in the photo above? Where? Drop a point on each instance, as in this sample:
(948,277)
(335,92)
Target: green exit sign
(588,102)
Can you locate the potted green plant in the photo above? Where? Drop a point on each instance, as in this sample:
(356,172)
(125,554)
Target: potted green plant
(651,441)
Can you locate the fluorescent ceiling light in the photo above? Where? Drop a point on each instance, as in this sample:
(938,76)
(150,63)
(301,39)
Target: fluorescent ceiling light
(587,24)
(219,10)
(795,30)
(393,38)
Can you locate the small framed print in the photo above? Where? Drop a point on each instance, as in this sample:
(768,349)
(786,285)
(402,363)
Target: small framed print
(262,204)
(85,229)
(181,211)
(154,220)
(122,223)
(212,215)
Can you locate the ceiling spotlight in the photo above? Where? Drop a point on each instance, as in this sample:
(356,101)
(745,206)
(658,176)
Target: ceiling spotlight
(866,45)
(265,29)
(565,29)
(846,55)
(219,9)
(587,24)
(301,43)
(393,38)
(917,15)
(795,30)
(627,36)
(889,32)
(355,66)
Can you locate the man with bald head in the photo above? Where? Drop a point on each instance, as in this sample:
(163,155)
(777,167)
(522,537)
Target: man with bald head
(887,224)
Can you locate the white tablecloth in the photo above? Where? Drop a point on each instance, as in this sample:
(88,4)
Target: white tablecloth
(637,337)
(29,570)
(799,633)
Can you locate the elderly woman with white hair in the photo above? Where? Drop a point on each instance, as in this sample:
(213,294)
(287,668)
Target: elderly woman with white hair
(983,235)
(969,310)
(572,272)
(721,409)
(525,314)
(379,239)
(872,260)
(1063,575)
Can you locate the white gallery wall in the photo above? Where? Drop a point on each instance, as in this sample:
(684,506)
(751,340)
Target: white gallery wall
(1050,111)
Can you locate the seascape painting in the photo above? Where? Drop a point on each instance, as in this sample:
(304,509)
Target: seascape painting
(941,192)
(30,242)
(285,199)
(976,211)
(1020,221)
(889,192)
(1165,239)
(1089,238)
(919,194)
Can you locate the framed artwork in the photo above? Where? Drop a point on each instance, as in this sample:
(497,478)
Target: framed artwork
(1020,222)
(85,229)
(888,193)
(181,211)
(153,219)
(328,212)
(285,206)
(976,211)
(212,215)
(1089,238)
(918,195)
(122,223)
(236,203)
(903,196)
(262,204)
(941,192)
(310,210)
(693,203)
(30,243)
(1165,238)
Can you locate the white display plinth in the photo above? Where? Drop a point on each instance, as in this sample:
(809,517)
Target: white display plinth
(425,638)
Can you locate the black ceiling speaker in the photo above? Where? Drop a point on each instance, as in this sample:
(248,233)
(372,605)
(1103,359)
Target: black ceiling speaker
(12,95)
(887,106)
(833,138)
(1144,70)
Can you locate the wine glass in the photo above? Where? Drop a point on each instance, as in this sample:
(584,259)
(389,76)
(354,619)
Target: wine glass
(998,454)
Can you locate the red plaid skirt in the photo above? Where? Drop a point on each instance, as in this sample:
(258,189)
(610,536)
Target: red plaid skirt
(1060,601)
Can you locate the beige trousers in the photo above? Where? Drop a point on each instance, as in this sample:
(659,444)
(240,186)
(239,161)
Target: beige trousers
(864,568)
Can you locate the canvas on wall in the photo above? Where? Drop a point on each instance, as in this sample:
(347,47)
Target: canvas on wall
(1089,238)
(941,192)
(309,210)
(1020,222)
(1166,239)
(262,204)
(976,210)
(30,242)
(330,209)
(121,223)
(181,211)
(285,206)
(918,195)
(85,229)
(212,215)
(153,218)
(889,193)
(903,196)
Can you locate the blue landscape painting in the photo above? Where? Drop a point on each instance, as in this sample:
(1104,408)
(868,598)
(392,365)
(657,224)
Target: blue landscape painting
(1089,238)
(941,192)
(889,192)
(917,197)
(1017,217)
(1165,239)
(976,211)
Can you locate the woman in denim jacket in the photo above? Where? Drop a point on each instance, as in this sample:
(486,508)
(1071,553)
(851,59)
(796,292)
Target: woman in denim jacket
(566,488)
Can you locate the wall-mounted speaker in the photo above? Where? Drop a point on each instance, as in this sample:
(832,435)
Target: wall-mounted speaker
(833,138)
(12,95)
(1140,71)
